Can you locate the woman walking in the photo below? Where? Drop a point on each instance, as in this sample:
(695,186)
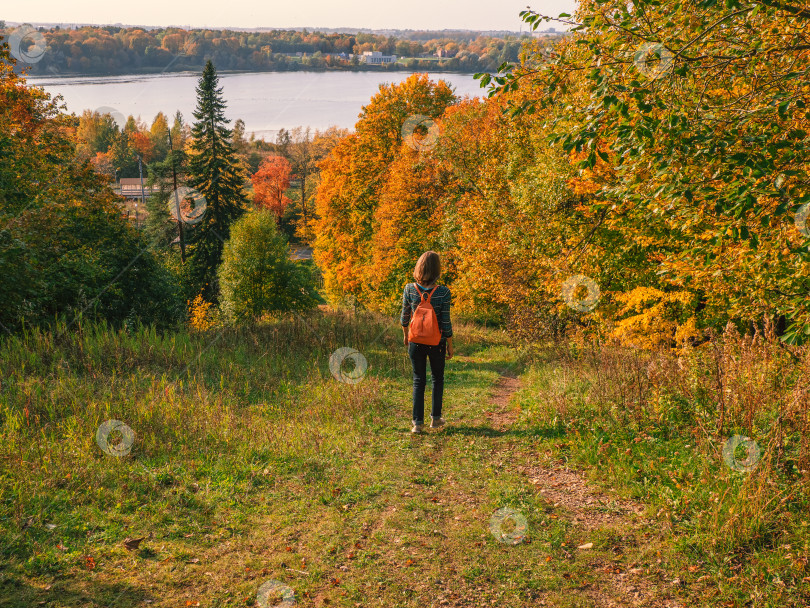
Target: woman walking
(428,334)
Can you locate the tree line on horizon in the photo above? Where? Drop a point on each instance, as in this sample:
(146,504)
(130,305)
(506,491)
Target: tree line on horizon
(117,50)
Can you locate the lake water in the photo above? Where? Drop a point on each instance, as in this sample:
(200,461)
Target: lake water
(266,101)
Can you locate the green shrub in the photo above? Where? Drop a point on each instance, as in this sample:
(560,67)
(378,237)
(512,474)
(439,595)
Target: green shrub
(257,275)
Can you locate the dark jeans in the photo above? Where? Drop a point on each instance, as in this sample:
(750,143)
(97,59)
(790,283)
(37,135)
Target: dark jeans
(419,354)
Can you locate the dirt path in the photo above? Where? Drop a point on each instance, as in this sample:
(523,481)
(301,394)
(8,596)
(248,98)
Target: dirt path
(571,496)
(500,414)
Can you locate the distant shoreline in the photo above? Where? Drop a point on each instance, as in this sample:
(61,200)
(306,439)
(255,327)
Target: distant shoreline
(116,51)
(48,76)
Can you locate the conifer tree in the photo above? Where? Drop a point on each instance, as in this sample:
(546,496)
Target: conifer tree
(216,173)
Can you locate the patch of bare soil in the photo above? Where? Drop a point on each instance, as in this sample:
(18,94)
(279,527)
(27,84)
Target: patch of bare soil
(586,505)
(501,415)
(591,508)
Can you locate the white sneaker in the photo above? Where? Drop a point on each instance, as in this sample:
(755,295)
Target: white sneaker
(417,428)
(436,422)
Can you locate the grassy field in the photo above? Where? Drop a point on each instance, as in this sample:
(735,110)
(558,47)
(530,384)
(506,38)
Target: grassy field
(251,463)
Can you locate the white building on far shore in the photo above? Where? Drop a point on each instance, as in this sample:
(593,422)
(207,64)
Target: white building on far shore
(376,57)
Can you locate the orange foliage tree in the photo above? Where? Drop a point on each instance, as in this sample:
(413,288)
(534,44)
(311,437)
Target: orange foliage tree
(142,144)
(358,205)
(408,221)
(270,183)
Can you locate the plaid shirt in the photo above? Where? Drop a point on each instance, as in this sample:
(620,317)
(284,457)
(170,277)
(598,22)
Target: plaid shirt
(441,301)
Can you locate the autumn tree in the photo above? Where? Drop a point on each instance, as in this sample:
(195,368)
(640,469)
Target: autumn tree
(95,133)
(158,133)
(142,145)
(65,250)
(124,158)
(306,155)
(302,158)
(408,221)
(270,183)
(707,164)
(240,144)
(353,177)
(179,132)
(102,163)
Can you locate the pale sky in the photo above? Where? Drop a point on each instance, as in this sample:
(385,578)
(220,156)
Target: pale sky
(374,14)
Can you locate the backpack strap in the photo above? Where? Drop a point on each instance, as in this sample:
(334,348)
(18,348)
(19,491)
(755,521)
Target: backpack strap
(423,293)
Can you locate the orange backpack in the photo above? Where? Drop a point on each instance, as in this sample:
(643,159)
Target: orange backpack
(424,327)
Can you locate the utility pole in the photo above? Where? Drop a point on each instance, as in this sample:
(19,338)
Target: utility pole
(304,198)
(140,173)
(177,204)
(304,147)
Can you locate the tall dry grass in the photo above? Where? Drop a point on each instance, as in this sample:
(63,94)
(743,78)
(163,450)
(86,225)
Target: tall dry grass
(655,425)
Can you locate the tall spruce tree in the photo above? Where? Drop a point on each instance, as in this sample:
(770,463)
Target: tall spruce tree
(216,173)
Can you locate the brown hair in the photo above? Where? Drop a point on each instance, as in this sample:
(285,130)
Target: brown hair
(428,268)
